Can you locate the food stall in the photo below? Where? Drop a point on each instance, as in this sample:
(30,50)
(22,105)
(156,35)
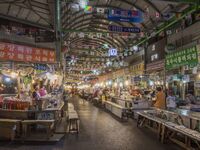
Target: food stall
(21,116)
(21,107)
(182,76)
(121,97)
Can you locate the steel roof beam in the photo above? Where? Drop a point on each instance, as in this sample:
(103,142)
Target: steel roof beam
(171,22)
(180,1)
(76,13)
(103,41)
(121,40)
(26,22)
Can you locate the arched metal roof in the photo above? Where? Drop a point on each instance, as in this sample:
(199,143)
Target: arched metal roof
(87,22)
(38,13)
(41,13)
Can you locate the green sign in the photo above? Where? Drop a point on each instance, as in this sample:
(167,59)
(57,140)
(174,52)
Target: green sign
(187,56)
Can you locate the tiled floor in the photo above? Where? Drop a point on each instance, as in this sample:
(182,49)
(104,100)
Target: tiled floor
(99,130)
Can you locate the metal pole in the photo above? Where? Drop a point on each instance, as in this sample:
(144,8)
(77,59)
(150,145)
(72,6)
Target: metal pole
(58,30)
(145,57)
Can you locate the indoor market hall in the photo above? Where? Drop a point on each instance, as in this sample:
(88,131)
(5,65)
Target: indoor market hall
(100,74)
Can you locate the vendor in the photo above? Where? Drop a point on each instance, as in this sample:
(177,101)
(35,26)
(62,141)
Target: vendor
(160,99)
(35,94)
(43,91)
(171,101)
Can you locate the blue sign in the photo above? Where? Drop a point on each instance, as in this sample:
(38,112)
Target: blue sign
(42,67)
(112,52)
(45,116)
(137,79)
(123,29)
(125,15)
(167,16)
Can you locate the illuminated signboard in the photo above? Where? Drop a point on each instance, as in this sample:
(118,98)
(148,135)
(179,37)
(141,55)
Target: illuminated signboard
(125,15)
(124,29)
(16,52)
(112,52)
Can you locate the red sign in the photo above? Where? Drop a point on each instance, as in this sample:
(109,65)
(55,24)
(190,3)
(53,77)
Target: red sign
(16,52)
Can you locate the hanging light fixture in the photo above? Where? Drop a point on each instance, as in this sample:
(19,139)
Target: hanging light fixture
(83,3)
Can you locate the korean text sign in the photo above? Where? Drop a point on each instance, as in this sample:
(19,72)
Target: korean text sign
(187,56)
(16,52)
(125,15)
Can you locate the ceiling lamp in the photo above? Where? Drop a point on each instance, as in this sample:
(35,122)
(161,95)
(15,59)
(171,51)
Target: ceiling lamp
(83,3)
(74,7)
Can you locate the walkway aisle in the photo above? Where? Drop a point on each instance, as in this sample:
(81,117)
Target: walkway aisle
(99,130)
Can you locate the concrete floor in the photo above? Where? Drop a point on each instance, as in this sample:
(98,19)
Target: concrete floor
(100,130)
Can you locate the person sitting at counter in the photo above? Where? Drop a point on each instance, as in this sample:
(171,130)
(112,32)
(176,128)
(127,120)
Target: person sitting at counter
(42,91)
(35,95)
(160,99)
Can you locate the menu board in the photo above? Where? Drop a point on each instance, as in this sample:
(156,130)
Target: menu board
(16,52)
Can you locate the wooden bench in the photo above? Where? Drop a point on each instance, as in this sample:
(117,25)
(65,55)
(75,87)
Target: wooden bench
(73,122)
(167,130)
(152,123)
(49,124)
(9,128)
(170,131)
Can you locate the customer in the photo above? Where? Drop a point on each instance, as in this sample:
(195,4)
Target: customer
(160,99)
(190,98)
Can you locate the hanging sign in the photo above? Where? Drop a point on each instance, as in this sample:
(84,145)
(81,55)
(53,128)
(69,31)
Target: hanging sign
(137,79)
(137,69)
(42,67)
(167,15)
(100,10)
(16,52)
(123,29)
(112,52)
(88,9)
(158,65)
(187,56)
(125,15)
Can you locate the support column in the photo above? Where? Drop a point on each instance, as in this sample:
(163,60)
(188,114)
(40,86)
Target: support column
(58,30)
(183,86)
(145,57)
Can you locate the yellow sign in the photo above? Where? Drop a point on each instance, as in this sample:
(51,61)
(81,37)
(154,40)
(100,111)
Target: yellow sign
(138,69)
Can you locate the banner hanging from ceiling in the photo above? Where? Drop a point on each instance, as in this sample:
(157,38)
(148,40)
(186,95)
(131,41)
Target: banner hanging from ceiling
(123,29)
(125,15)
(14,52)
(106,34)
